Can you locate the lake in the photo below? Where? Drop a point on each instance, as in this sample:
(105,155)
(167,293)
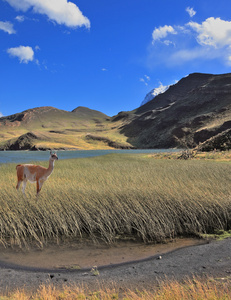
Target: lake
(30,156)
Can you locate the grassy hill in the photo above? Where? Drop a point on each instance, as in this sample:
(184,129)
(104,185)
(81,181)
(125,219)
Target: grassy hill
(48,127)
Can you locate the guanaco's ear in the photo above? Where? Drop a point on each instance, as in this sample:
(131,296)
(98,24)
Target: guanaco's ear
(50,152)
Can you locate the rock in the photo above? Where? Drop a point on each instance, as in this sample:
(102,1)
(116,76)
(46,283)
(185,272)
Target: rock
(24,142)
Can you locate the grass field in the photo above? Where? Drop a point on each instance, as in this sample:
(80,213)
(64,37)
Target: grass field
(117,196)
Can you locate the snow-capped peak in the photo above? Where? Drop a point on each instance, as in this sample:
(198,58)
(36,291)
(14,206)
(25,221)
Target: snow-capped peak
(156,91)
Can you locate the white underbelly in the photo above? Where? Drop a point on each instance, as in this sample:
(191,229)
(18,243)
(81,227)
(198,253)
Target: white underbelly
(32,181)
(29,176)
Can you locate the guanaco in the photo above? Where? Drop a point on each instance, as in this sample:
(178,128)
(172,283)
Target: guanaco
(35,173)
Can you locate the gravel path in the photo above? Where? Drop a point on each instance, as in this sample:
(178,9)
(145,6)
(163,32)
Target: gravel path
(212,259)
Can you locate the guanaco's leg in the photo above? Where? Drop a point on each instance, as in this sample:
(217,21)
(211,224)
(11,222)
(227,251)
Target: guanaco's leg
(19,169)
(39,186)
(18,184)
(24,185)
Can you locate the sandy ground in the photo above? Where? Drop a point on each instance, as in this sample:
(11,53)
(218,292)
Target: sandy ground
(85,254)
(210,259)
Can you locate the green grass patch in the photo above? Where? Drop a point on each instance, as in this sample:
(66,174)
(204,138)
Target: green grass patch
(218,235)
(117,195)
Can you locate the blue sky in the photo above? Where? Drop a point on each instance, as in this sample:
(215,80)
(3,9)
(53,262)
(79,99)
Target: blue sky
(106,54)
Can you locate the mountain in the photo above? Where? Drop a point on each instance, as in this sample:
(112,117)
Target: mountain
(86,112)
(47,127)
(197,108)
(194,112)
(155,92)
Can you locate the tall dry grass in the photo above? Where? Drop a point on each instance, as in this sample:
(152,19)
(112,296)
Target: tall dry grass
(115,196)
(191,289)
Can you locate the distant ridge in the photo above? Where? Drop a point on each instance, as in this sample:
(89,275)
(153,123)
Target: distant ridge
(194,112)
(85,111)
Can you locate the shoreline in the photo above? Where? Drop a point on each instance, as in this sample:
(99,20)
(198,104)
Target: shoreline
(209,260)
(83,256)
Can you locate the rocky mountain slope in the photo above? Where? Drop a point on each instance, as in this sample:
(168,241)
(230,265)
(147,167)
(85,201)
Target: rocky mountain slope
(195,112)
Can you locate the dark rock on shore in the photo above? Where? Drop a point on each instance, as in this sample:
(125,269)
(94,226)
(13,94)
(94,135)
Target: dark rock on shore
(221,141)
(24,142)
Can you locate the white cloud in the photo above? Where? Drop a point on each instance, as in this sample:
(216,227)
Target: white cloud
(190,11)
(20,5)
(213,32)
(198,42)
(1,115)
(200,55)
(161,32)
(186,55)
(145,79)
(229,60)
(61,11)
(20,18)
(25,54)
(168,43)
(7,27)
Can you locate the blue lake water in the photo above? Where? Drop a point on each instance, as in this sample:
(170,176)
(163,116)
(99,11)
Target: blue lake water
(30,156)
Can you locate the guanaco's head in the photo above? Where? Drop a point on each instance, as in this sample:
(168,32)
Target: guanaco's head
(53,156)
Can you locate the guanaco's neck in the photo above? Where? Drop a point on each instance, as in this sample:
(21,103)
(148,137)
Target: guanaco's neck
(51,166)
